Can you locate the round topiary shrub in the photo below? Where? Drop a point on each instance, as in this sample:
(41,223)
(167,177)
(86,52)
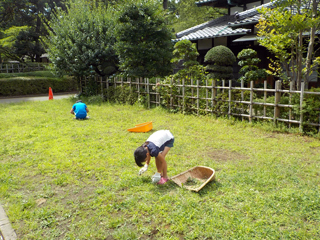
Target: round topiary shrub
(220,60)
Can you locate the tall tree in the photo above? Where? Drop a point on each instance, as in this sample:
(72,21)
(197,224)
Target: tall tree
(143,39)
(285,30)
(17,13)
(185,14)
(83,40)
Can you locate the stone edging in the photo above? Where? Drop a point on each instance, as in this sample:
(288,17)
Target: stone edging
(6,231)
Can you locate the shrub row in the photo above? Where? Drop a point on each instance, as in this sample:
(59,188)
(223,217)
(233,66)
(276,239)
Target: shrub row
(24,86)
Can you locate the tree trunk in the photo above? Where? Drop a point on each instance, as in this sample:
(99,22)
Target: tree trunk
(299,60)
(311,44)
(165,4)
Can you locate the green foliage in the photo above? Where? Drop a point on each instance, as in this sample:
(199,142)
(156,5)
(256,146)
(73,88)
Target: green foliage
(186,14)
(220,55)
(222,105)
(220,60)
(121,95)
(248,62)
(35,85)
(18,13)
(282,30)
(143,39)
(83,40)
(185,51)
(310,110)
(9,40)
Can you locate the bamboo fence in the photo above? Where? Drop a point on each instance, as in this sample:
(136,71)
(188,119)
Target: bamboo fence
(18,67)
(209,98)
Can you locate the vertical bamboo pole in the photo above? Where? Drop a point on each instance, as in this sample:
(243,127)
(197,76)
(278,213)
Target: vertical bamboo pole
(290,100)
(138,84)
(277,100)
(171,100)
(107,86)
(301,108)
(223,85)
(148,93)
(251,101)
(206,95)
(229,105)
(198,106)
(264,98)
(242,98)
(101,85)
(214,93)
(183,100)
(7,67)
(191,80)
(157,93)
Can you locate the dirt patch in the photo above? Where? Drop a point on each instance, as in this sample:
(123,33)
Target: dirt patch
(222,155)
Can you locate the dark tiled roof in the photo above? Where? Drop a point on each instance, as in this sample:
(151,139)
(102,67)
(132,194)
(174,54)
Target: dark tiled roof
(250,16)
(222,26)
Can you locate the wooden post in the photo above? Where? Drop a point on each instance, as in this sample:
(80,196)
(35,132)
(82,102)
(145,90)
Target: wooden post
(107,86)
(251,101)
(192,92)
(101,85)
(242,99)
(290,100)
(301,108)
(148,93)
(157,93)
(183,100)
(229,105)
(138,79)
(171,104)
(198,98)
(277,100)
(264,98)
(206,95)
(223,85)
(214,93)
(7,67)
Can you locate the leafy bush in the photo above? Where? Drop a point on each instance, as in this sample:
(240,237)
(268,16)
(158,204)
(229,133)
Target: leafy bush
(121,94)
(23,86)
(248,61)
(220,60)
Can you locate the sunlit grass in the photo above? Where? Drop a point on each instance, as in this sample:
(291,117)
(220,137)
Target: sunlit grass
(66,179)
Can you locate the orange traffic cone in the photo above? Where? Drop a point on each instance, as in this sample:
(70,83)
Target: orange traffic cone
(50,94)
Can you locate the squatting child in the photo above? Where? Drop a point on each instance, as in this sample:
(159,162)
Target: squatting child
(80,110)
(157,145)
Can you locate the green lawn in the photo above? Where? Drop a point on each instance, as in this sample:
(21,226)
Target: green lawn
(66,179)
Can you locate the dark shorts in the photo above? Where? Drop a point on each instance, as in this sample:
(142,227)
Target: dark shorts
(169,143)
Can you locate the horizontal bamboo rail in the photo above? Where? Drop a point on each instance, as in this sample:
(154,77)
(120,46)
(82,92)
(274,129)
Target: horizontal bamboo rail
(209,94)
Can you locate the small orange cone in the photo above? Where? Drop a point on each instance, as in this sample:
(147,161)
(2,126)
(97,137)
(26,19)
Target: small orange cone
(50,94)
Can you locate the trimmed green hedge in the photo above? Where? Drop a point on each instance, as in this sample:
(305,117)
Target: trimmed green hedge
(35,85)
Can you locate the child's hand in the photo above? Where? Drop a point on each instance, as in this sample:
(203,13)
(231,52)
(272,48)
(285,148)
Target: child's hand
(156,178)
(142,170)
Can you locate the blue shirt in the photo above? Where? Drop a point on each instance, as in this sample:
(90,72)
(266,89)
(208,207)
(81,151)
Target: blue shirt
(80,110)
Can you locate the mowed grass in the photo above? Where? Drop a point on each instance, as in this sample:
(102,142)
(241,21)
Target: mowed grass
(66,179)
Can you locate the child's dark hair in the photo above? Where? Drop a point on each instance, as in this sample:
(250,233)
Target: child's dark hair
(140,155)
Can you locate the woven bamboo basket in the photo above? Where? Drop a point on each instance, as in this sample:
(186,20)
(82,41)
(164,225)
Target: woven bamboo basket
(198,177)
